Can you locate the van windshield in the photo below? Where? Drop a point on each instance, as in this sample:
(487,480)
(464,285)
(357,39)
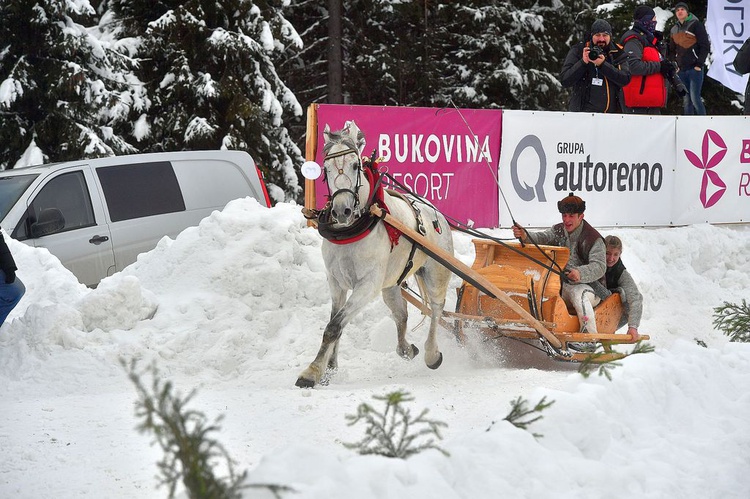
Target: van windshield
(11,188)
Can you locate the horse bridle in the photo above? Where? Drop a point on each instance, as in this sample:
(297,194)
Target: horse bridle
(357,184)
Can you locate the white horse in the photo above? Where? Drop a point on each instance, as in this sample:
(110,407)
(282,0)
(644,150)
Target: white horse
(362,254)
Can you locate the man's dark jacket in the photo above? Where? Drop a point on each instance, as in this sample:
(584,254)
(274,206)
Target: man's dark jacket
(742,65)
(587,97)
(7,264)
(689,44)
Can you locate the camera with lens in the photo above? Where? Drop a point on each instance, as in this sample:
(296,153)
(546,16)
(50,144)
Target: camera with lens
(677,85)
(595,51)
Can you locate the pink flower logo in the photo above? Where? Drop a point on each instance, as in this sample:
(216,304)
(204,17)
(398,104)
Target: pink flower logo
(705,163)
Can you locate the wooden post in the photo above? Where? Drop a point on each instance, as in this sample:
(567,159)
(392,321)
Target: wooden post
(311,149)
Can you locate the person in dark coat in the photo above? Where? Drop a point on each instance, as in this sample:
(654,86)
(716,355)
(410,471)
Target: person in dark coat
(689,47)
(596,83)
(11,287)
(647,91)
(742,65)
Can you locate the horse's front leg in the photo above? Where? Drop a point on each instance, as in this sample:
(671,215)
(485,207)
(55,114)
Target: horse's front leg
(397,304)
(361,296)
(338,300)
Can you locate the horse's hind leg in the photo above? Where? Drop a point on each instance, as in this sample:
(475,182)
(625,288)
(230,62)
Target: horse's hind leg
(393,299)
(435,280)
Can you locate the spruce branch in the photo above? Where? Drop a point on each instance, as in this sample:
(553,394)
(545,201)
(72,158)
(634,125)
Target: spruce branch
(394,432)
(520,415)
(596,361)
(734,321)
(184,435)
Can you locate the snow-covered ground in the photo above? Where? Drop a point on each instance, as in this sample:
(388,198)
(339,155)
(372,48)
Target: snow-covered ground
(235,309)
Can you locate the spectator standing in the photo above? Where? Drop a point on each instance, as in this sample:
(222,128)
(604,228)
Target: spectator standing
(742,65)
(11,287)
(596,82)
(647,91)
(688,47)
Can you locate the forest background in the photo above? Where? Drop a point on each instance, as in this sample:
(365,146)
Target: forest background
(90,78)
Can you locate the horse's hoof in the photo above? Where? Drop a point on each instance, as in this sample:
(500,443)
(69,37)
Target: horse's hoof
(414,350)
(304,383)
(436,364)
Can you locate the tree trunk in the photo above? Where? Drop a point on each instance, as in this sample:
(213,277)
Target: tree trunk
(335,70)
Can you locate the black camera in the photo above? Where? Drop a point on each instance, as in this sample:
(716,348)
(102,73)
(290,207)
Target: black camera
(595,51)
(677,85)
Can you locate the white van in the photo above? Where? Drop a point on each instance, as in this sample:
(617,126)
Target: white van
(97,215)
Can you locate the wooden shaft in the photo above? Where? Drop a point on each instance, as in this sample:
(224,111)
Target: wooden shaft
(423,308)
(463,270)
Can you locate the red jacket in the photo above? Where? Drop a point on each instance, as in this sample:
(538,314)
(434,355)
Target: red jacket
(644,90)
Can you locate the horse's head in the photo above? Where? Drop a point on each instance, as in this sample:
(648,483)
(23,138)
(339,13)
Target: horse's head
(348,186)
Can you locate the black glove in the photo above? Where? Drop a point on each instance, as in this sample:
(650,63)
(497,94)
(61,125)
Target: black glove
(10,276)
(666,68)
(658,35)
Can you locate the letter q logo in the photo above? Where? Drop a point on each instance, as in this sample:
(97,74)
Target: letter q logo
(706,164)
(525,191)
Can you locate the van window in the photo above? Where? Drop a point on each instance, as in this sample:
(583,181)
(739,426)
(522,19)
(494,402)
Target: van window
(140,190)
(11,188)
(69,194)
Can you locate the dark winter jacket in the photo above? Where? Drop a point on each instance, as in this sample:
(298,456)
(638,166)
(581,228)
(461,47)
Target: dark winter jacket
(620,280)
(688,43)
(7,264)
(742,65)
(595,89)
(648,87)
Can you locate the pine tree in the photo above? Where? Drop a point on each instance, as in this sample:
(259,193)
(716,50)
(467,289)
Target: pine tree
(211,80)
(63,92)
(506,56)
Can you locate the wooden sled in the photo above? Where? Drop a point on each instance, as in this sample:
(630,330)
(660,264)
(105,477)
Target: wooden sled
(514,269)
(507,292)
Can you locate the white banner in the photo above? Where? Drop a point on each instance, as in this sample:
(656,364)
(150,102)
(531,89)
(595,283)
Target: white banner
(713,170)
(728,26)
(622,167)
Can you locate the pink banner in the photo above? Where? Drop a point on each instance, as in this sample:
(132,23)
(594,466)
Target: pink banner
(432,151)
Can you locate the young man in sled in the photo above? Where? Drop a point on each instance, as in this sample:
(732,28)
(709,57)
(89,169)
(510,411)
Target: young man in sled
(620,281)
(587,263)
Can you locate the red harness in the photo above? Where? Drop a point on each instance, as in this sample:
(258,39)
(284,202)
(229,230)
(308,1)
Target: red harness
(373,177)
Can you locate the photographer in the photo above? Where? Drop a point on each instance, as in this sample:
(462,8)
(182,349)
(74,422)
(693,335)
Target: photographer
(647,91)
(596,69)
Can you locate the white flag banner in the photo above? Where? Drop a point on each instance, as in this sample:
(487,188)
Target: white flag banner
(728,26)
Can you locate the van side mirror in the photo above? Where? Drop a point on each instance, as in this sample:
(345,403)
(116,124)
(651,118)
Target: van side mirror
(50,220)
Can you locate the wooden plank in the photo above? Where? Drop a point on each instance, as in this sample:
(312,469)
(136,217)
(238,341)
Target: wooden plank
(463,270)
(424,308)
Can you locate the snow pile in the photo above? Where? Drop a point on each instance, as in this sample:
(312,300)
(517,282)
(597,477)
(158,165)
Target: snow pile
(235,308)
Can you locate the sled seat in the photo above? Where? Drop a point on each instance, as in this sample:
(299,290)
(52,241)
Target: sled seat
(521,271)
